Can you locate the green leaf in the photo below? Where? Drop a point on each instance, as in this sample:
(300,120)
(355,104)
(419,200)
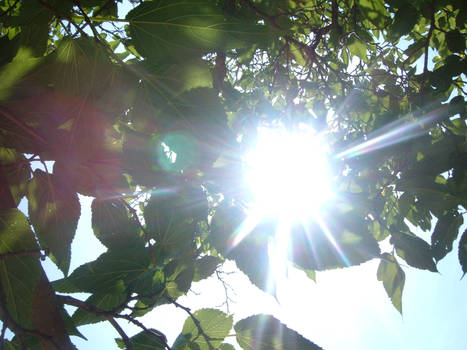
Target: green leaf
(111,300)
(215,327)
(113,224)
(194,28)
(462,254)
(264,332)
(54,212)
(146,340)
(19,274)
(393,278)
(11,73)
(357,47)
(374,10)
(225,222)
(176,78)
(414,250)
(445,233)
(70,325)
(34,20)
(101,275)
(31,342)
(205,267)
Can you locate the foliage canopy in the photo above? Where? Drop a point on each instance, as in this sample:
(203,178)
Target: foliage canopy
(150,113)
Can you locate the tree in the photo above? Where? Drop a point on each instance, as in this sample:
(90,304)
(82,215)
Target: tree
(150,114)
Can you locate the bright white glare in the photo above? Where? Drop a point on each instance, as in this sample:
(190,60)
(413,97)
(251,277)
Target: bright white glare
(288,173)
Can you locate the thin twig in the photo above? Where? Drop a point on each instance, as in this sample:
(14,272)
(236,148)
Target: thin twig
(195,321)
(120,331)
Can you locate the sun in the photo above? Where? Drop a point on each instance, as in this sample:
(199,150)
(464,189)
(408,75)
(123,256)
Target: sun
(289,176)
(288,173)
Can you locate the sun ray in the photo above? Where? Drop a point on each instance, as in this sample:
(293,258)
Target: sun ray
(396,132)
(331,239)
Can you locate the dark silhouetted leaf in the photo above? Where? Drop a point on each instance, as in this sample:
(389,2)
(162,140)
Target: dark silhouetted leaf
(151,339)
(205,267)
(264,332)
(445,233)
(171,218)
(463,252)
(414,250)
(455,41)
(404,20)
(251,255)
(113,224)
(340,239)
(54,211)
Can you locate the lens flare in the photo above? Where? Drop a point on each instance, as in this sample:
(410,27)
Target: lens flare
(399,131)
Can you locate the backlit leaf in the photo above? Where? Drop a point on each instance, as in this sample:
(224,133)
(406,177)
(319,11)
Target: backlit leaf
(393,278)
(215,327)
(357,47)
(194,27)
(19,274)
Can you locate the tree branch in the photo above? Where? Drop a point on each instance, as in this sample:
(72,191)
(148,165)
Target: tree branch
(110,315)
